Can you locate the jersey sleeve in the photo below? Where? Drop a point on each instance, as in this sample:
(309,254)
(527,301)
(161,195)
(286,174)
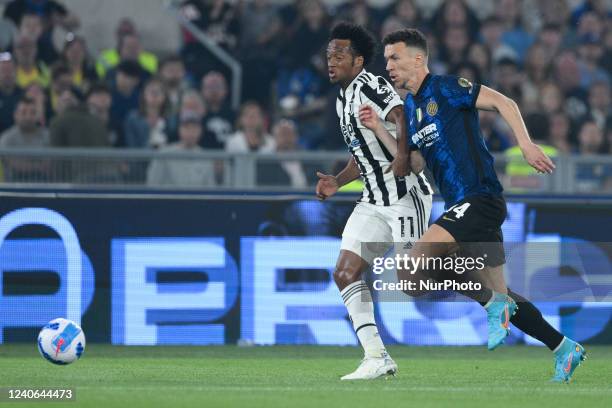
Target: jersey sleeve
(460,92)
(381,96)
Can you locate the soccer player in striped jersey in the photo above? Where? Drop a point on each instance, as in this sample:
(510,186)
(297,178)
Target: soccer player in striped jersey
(441,115)
(391,209)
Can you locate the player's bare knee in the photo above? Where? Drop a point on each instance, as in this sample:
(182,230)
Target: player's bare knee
(344,276)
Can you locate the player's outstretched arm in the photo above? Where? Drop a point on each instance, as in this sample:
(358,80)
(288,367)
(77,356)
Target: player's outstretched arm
(489,99)
(328,185)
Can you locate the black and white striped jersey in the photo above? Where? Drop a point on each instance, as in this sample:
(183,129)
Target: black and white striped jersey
(368,151)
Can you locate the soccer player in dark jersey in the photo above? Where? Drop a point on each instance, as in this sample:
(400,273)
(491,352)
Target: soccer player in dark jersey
(441,114)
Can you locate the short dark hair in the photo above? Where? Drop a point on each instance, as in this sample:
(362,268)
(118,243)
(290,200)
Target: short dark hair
(59,69)
(170,59)
(98,88)
(130,68)
(409,36)
(26,100)
(362,41)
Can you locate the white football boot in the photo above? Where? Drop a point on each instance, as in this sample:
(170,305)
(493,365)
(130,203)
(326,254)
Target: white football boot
(373,367)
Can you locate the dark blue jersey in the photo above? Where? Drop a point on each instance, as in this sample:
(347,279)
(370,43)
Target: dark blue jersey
(443,124)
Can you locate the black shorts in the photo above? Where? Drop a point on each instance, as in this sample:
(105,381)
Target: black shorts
(475,223)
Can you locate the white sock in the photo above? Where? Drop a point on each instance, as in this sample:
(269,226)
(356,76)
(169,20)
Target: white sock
(358,301)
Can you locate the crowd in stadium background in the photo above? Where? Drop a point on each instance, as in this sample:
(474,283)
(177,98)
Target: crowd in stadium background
(553,57)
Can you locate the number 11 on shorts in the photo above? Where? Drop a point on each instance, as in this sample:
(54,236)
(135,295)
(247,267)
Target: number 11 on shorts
(402,221)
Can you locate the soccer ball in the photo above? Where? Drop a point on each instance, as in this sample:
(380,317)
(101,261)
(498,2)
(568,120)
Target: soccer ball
(61,341)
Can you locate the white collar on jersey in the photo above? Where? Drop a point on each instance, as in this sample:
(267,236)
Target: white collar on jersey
(350,86)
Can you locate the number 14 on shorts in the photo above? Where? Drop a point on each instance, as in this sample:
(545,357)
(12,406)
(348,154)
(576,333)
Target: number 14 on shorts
(456,211)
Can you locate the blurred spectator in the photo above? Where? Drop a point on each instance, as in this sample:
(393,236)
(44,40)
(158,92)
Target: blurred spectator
(36,92)
(600,108)
(567,77)
(76,58)
(252,134)
(219,115)
(496,139)
(60,81)
(479,55)
(98,104)
(455,13)
(553,12)
(492,31)
(514,35)
(287,172)
(551,98)
(190,103)
(537,70)
(591,177)
(51,12)
(128,48)
(311,35)
(25,133)
(407,13)
(589,25)
(356,11)
(32,26)
(172,74)
(590,51)
(590,138)
(29,69)
(259,49)
(146,127)
(183,172)
(551,38)
(455,42)
(599,7)
(125,93)
(10,93)
(77,126)
(508,78)
(559,127)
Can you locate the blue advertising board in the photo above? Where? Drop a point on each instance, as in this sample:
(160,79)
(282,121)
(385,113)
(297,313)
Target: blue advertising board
(150,270)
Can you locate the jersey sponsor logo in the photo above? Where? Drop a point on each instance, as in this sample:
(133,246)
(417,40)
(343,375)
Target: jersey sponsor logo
(388,98)
(347,131)
(432,108)
(426,136)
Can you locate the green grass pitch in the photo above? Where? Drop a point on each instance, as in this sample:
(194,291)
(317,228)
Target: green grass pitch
(303,376)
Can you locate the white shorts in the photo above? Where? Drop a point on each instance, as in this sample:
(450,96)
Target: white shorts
(378,226)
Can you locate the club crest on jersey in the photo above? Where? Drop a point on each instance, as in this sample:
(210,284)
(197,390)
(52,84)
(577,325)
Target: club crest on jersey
(432,108)
(355,143)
